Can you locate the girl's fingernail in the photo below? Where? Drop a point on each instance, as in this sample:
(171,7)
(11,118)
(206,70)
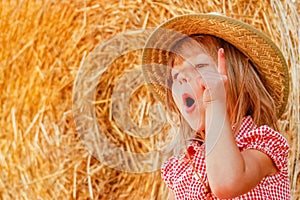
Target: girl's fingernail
(222,51)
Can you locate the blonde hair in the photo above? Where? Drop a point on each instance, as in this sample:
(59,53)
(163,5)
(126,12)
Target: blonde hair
(246,93)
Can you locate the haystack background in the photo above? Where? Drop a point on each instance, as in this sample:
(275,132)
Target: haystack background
(42,44)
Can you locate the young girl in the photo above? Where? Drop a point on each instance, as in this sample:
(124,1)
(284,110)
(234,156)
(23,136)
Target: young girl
(220,79)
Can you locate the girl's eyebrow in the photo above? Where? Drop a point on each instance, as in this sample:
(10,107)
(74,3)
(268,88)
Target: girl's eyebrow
(200,59)
(174,73)
(198,62)
(201,64)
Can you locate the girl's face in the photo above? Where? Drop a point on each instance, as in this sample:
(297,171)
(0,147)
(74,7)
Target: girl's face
(186,90)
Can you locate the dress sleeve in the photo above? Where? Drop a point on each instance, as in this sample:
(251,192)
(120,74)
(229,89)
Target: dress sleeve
(269,142)
(168,171)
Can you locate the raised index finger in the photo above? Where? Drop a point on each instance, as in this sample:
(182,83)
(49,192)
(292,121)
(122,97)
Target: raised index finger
(221,62)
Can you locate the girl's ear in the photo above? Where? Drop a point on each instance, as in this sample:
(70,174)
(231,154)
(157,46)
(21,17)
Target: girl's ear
(222,62)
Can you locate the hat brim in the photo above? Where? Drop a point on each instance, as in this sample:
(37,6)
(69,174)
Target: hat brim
(260,49)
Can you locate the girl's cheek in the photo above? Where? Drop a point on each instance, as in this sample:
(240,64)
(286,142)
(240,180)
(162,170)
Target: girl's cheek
(200,85)
(175,96)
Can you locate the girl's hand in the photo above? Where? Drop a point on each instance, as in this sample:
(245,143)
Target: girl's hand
(213,81)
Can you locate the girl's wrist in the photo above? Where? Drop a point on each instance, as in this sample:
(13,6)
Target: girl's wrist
(216,123)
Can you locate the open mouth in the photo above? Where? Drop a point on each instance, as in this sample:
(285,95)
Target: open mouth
(189,102)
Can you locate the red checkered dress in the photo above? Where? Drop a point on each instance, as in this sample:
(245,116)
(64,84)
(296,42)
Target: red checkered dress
(178,174)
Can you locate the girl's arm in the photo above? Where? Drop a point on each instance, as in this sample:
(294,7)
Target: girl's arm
(230,172)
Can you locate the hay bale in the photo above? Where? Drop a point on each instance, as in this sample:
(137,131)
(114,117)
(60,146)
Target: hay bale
(42,47)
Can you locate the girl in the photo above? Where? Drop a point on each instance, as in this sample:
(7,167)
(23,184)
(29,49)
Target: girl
(220,82)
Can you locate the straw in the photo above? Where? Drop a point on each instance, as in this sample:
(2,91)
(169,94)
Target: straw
(43,46)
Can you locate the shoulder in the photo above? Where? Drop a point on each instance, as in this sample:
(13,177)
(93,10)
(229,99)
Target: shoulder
(264,139)
(176,166)
(172,169)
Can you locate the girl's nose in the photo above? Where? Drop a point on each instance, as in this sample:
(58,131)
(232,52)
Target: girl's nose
(182,77)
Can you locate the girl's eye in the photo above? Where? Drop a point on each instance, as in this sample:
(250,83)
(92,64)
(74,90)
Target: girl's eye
(197,66)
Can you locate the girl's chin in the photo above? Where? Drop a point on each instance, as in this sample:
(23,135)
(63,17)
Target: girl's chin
(196,124)
(198,128)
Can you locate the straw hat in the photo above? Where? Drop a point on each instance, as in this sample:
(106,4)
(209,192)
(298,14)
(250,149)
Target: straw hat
(263,53)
